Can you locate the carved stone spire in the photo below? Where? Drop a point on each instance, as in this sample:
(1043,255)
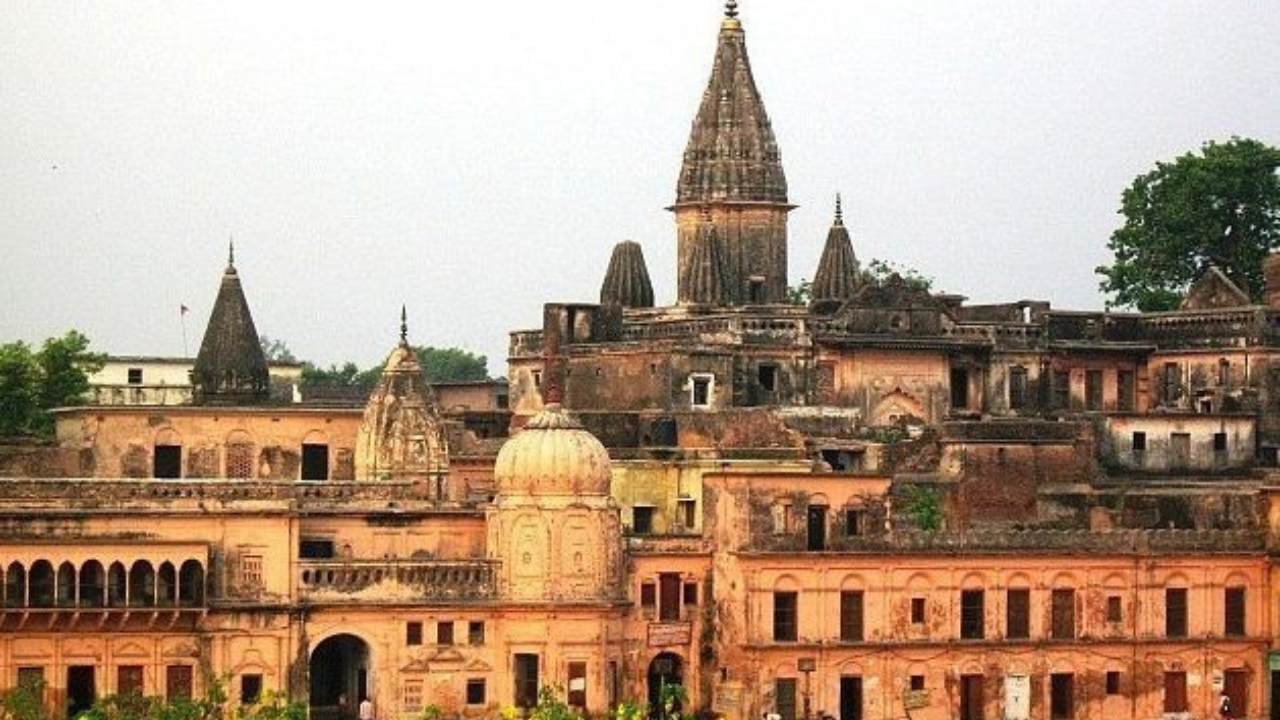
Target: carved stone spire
(837,276)
(702,278)
(627,281)
(732,163)
(230,368)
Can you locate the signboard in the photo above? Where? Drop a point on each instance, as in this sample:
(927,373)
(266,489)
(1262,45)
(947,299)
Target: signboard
(1017,697)
(662,634)
(728,699)
(915,699)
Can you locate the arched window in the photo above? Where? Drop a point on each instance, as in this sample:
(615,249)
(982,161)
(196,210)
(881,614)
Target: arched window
(142,585)
(166,585)
(41,580)
(239,455)
(66,585)
(93,584)
(117,585)
(191,584)
(15,586)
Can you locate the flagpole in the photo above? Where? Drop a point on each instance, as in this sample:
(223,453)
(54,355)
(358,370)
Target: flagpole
(182,313)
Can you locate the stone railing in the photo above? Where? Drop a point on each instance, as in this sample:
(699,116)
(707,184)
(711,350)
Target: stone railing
(117,493)
(396,580)
(1058,541)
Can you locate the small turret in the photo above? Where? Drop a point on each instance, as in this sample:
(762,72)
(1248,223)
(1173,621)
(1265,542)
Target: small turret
(231,368)
(837,275)
(627,281)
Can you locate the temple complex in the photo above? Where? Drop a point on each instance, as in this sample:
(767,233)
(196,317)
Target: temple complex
(872,503)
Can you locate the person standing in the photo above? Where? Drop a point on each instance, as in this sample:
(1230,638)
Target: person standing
(366,709)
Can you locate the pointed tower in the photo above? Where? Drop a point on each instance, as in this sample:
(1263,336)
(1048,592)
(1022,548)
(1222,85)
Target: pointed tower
(837,275)
(231,368)
(702,277)
(627,281)
(401,436)
(733,165)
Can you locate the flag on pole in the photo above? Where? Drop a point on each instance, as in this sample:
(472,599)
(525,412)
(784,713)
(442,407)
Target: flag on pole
(183,309)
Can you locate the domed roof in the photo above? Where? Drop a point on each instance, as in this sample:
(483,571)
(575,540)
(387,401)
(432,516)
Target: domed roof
(553,455)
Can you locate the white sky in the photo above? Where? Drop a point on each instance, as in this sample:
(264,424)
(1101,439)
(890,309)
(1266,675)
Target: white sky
(476,159)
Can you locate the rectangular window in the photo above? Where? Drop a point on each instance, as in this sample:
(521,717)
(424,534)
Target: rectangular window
(768,377)
(669,597)
(177,682)
(167,461)
(1139,442)
(1062,696)
(1220,442)
(526,681)
(1018,614)
(648,595)
(917,683)
(250,689)
(444,632)
(959,388)
(1113,682)
(31,677)
(1093,390)
(577,693)
(1063,612)
(781,513)
(315,462)
(853,522)
(917,611)
(135,376)
(1061,389)
(851,616)
(1115,613)
(687,511)
(971,614)
(475,632)
(1170,382)
(410,698)
(1233,612)
(251,570)
(475,691)
(129,680)
(1175,692)
(312,549)
(784,698)
(816,527)
(1175,612)
(413,633)
(641,520)
(691,593)
(700,391)
(1017,387)
(1179,450)
(784,616)
(1126,391)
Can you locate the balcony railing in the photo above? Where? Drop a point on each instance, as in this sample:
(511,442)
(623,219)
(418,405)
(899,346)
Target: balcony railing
(374,580)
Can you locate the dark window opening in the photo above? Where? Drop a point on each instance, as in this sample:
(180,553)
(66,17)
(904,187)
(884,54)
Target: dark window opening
(1115,613)
(129,680)
(1061,389)
(1062,696)
(1220,448)
(851,616)
(1113,682)
(311,549)
(1233,608)
(1017,387)
(168,461)
(526,681)
(577,695)
(784,698)
(1018,614)
(971,614)
(641,520)
(816,537)
(1126,390)
(135,376)
(691,593)
(701,392)
(315,462)
(917,682)
(669,588)
(1175,692)
(648,595)
(688,509)
(1093,390)
(1171,383)
(250,689)
(959,387)
(854,521)
(81,689)
(475,632)
(972,703)
(767,375)
(1175,612)
(784,616)
(755,290)
(444,632)
(475,691)
(413,633)
(917,611)
(1180,450)
(1063,614)
(1224,372)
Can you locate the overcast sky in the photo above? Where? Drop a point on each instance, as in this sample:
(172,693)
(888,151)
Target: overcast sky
(476,159)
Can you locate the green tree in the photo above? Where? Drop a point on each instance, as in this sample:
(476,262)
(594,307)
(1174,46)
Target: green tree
(346,375)
(276,350)
(451,364)
(1219,207)
(878,272)
(32,382)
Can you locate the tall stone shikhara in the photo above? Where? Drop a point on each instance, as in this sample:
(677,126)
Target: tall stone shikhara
(732,169)
(231,368)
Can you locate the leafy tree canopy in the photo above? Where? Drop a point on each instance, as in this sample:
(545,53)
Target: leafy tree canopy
(1219,207)
(276,350)
(32,381)
(438,364)
(877,272)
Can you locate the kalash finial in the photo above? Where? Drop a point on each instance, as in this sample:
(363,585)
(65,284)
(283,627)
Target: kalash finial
(231,252)
(731,9)
(839,211)
(404,326)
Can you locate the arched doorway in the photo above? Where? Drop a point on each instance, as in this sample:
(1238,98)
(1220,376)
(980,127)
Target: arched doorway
(665,669)
(339,677)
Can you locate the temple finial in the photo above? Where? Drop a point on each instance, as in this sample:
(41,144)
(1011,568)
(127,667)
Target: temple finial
(839,211)
(231,252)
(404,325)
(731,9)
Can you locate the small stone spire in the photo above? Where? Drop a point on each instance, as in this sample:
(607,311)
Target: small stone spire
(837,275)
(231,253)
(230,368)
(731,9)
(703,278)
(404,326)
(627,281)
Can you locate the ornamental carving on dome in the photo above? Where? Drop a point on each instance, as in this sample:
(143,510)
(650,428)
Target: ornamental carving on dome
(401,435)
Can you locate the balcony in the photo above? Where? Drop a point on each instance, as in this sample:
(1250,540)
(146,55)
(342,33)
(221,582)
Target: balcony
(322,581)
